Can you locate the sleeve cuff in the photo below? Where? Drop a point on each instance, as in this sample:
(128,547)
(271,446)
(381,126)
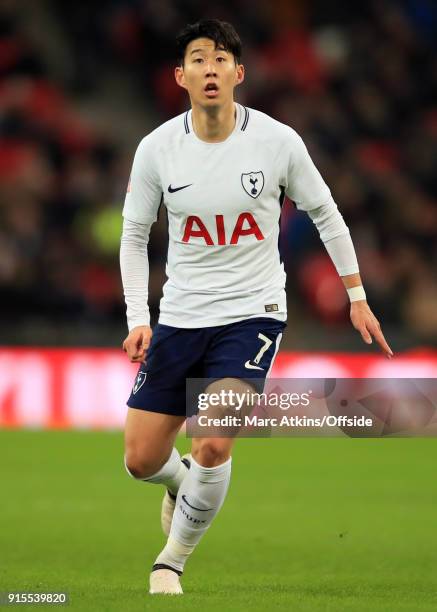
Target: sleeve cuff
(138,322)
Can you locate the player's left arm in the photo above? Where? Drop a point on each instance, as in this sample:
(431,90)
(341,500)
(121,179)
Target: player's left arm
(307,189)
(336,238)
(362,317)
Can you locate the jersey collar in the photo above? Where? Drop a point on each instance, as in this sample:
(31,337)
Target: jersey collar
(241,122)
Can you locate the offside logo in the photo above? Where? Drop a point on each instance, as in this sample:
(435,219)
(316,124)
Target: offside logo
(253,183)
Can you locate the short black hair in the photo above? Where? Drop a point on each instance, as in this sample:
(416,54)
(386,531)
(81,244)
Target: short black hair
(221,32)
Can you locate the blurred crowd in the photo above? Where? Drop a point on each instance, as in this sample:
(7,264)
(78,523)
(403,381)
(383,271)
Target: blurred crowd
(81,83)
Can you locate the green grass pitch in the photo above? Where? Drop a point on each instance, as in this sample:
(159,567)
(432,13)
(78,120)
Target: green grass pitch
(309,524)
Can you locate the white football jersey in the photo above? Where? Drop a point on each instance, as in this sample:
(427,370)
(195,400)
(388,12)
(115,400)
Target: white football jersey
(224,204)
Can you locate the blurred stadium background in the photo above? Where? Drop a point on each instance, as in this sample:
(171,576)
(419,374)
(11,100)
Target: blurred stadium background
(81,83)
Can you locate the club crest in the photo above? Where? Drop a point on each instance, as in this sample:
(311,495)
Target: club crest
(139,381)
(253,183)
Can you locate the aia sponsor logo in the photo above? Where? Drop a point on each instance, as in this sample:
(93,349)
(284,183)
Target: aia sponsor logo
(245,225)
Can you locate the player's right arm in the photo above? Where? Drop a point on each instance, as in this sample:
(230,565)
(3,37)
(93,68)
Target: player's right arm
(134,266)
(137,342)
(140,211)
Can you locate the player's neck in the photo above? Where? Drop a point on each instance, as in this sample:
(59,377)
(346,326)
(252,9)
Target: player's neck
(214,124)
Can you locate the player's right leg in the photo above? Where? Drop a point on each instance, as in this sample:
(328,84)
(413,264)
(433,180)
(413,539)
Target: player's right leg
(157,410)
(150,455)
(156,413)
(149,446)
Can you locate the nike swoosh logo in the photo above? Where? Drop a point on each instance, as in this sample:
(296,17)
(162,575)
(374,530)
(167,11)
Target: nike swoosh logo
(250,366)
(173,189)
(194,507)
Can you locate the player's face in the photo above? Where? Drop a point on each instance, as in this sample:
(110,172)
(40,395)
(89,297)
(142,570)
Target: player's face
(209,74)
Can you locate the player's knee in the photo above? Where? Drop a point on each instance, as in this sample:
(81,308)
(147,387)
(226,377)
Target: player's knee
(140,465)
(210,452)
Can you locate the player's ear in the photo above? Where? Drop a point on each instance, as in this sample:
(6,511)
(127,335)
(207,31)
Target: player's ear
(180,77)
(239,77)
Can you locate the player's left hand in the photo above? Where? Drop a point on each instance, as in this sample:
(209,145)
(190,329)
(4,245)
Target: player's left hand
(368,325)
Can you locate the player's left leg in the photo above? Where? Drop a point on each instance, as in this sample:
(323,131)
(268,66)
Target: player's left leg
(238,358)
(199,499)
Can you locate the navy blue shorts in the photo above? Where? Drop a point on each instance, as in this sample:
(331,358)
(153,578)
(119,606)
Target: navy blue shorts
(245,349)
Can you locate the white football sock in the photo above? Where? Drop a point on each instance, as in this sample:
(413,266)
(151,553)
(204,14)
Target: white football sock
(171,474)
(200,497)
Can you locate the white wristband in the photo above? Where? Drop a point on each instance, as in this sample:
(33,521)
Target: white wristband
(356,293)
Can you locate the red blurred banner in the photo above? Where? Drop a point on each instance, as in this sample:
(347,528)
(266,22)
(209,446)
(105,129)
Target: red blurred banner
(88,388)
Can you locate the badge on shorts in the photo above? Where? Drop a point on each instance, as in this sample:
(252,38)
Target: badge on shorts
(253,183)
(139,381)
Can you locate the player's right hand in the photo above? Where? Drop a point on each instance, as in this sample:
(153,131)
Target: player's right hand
(137,343)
